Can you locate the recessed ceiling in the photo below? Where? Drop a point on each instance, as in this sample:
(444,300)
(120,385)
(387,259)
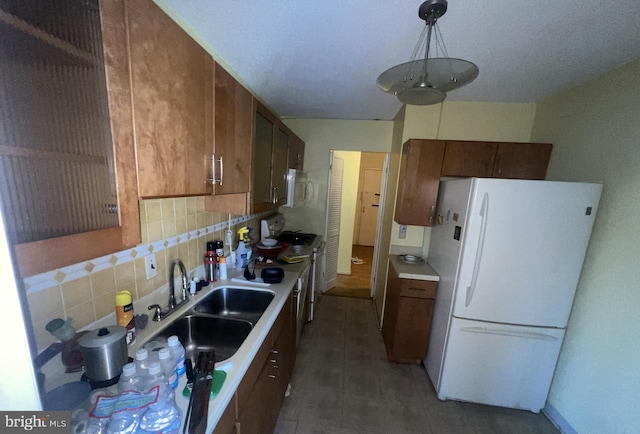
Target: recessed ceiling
(321,59)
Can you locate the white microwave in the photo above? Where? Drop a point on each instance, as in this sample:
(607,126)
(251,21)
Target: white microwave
(297,188)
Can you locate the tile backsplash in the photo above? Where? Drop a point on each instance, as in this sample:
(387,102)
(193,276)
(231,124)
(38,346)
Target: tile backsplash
(85,292)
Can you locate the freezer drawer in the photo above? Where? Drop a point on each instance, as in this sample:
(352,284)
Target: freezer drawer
(495,364)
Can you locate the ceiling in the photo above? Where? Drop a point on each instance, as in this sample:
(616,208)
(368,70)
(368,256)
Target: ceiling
(320,59)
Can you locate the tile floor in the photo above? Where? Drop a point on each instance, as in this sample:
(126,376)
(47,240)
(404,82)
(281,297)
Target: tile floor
(343,384)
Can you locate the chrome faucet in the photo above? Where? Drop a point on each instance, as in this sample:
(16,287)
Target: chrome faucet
(183,272)
(159,314)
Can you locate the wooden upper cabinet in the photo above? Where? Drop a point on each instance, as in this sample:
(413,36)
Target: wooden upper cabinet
(522,160)
(419,181)
(280,164)
(234,123)
(496,160)
(467,159)
(296,152)
(172,95)
(265,127)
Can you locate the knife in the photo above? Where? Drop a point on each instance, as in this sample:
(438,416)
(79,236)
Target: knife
(201,392)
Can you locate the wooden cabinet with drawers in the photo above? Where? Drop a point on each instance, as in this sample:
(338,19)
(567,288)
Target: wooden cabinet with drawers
(407,317)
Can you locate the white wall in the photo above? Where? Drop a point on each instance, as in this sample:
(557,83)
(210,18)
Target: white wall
(595,129)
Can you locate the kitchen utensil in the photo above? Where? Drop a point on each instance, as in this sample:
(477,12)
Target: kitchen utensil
(105,352)
(411,259)
(268,242)
(201,392)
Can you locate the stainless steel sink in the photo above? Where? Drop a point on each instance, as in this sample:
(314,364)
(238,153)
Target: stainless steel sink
(221,321)
(245,304)
(202,333)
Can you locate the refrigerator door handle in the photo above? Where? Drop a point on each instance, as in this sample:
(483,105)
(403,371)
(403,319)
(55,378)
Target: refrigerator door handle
(484,211)
(512,333)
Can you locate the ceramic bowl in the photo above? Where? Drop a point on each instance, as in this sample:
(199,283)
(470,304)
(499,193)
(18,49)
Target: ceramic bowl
(269,242)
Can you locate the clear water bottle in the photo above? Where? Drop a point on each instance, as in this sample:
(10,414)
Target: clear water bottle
(142,361)
(130,379)
(163,415)
(177,351)
(168,365)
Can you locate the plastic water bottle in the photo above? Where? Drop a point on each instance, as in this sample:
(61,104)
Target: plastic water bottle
(163,415)
(142,361)
(130,379)
(178,353)
(168,367)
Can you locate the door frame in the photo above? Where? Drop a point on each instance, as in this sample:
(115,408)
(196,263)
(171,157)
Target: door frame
(383,198)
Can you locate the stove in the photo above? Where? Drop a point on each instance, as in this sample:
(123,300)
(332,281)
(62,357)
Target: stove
(273,227)
(296,238)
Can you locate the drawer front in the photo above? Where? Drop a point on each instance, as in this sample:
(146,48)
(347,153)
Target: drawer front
(418,288)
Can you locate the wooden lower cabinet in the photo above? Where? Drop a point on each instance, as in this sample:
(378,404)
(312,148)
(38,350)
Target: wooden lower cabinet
(407,317)
(261,392)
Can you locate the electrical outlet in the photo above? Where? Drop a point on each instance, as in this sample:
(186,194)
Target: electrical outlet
(150,266)
(402,232)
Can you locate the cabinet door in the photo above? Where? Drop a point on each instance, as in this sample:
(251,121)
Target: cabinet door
(262,154)
(419,179)
(412,329)
(469,159)
(296,152)
(171,78)
(233,134)
(392,299)
(522,160)
(280,165)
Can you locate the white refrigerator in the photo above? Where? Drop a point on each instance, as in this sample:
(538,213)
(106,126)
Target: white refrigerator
(509,254)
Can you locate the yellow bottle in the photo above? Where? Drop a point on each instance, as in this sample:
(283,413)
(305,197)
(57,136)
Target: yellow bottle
(125,315)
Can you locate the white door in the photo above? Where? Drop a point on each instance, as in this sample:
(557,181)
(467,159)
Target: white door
(333,221)
(523,250)
(370,205)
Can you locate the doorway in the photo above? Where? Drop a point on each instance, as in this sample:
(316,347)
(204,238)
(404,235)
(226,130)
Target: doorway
(360,200)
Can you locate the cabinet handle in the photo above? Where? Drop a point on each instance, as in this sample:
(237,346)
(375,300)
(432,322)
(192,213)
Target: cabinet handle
(274,199)
(275,366)
(272,376)
(213,179)
(274,361)
(433,212)
(275,352)
(221,170)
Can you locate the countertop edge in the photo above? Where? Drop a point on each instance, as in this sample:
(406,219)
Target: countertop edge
(419,271)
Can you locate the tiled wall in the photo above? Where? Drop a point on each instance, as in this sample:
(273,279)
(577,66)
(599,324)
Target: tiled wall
(85,292)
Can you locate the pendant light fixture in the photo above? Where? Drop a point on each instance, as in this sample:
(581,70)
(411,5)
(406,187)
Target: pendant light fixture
(425,81)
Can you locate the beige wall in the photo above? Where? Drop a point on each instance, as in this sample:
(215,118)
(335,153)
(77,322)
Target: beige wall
(595,130)
(321,136)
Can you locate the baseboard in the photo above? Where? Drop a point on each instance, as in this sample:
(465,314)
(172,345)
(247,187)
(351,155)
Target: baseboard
(556,418)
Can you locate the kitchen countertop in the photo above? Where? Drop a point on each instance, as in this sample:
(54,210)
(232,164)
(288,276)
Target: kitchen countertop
(235,366)
(418,271)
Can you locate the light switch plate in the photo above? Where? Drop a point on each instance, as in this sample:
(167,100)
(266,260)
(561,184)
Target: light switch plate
(402,232)
(150,266)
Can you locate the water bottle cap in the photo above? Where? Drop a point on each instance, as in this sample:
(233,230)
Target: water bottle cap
(173,341)
(129,369)
(142,354)
(164,353)
(154,368)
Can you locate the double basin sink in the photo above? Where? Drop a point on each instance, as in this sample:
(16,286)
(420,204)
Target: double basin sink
(221,321)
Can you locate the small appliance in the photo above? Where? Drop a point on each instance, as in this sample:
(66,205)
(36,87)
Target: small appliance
(297,188)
